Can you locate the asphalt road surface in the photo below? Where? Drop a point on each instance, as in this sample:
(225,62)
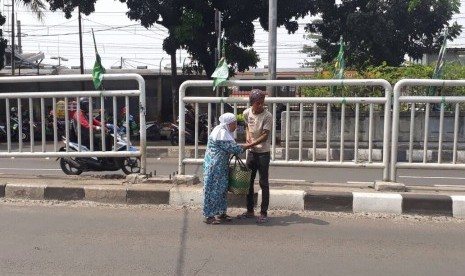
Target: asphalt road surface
(78,238)
(167,166)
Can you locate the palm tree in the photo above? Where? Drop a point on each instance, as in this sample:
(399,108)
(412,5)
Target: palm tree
(36,7)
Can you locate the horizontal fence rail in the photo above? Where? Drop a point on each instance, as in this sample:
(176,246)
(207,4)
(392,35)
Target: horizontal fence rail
(322,120)
(431,147)
(25,129)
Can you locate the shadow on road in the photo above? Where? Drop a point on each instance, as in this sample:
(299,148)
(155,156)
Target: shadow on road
(278,221)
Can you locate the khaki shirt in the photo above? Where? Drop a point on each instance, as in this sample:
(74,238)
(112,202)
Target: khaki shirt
(256,123)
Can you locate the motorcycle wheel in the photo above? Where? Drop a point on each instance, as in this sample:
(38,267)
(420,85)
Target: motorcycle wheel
(25,136)
(131,165)
(174,139)
(68,169)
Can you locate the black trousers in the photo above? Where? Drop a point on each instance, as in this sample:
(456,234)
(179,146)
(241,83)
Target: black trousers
(259,162)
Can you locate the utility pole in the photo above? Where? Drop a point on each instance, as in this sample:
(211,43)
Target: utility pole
(81,55)
(272,38)
(12,37)
(218,34)
(20,46)
(217,56)
(80,41)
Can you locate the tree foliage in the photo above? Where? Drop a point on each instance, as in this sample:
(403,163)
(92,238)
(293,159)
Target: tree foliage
(312,51)
(36,7)
(68,6)
(392,74)
(191,26)
(383,31)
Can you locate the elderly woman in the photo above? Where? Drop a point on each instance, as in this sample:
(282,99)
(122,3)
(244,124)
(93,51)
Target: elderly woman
(220,145)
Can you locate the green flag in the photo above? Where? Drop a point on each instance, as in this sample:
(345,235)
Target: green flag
(339,66)
(98,70)
(221,73)
(439,68)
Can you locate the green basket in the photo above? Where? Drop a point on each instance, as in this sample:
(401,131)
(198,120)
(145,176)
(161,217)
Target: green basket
(239,177)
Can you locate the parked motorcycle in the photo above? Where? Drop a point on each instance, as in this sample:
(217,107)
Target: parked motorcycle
(190,131)
(77,165)
(3,133)
(61,128)
(152,129)
(14,130)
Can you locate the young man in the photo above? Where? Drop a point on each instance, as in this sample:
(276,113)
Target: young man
(258,132)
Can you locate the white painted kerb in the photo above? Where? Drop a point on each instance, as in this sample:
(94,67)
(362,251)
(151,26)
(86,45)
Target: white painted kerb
(377,203)
(458,206)
(186,196)
(284,199)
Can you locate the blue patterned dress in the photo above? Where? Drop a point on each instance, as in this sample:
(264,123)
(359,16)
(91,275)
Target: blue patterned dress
(215,176)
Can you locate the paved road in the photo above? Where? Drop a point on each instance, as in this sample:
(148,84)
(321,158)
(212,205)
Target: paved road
(86,239)
(167,166)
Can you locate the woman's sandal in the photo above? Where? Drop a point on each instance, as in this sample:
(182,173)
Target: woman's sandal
(225,217)
(212,220)
(246,215)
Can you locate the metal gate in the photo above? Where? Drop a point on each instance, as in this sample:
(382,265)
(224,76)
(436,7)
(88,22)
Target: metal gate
(315,104)
(36,100)
(440,138)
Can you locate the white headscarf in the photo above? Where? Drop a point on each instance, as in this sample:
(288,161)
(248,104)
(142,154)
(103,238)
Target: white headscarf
(221,132)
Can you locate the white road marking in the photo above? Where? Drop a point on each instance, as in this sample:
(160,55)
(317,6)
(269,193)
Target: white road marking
(431,177)
(287,180)
(22,169)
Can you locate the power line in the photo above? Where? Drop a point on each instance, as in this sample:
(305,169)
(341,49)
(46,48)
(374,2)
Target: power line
(76,33)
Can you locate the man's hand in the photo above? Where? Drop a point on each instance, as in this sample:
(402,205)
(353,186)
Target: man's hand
(245,146)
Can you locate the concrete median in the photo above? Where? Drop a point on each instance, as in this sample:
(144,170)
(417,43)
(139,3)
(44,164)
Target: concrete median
(317,197)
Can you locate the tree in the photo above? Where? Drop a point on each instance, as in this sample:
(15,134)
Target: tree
(377,31)
(36,7)
(313,52)
(68,6)
(191,26)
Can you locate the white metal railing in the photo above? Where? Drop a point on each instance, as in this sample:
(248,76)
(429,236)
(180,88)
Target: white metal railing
(425,162)
(384,101)
(36,100)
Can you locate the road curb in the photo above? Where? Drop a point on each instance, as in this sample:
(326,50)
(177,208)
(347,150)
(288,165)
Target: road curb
(64,193)
(292,200)
(186,196)
(115,194)
(148,195)
(329,201)
(427,204)
(2,190)
(25,191)
(389,203)
(458,206)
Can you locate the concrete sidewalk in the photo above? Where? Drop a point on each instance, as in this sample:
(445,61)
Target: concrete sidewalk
(284,195)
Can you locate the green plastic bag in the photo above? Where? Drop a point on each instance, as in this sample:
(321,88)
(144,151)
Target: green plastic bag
(239,177)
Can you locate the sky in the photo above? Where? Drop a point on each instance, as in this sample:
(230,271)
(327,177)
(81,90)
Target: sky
(120,38)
